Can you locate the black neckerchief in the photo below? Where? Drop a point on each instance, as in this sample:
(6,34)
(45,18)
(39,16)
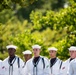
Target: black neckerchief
(36,59)
(35,63)
(11,58)
(71,59)
(24,64)
(53,61)
(11,64)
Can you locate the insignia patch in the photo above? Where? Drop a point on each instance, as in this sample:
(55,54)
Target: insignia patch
(47,66)
(3,67)
(63,68)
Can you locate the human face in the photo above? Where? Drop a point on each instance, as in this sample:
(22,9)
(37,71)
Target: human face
(27,56)
(36,52)
(72,54)
(11,52)
(52,53)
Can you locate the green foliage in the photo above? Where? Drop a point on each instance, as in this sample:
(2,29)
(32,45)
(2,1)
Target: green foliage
(11,29)
(57,4)
(6,15)
(7,4)
(25,40)
(54,20)
(54,4)
(48,28)
(63,22)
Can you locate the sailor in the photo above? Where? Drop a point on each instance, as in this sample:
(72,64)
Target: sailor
(37,65)
(72,67)
(12,65)
(65,65)
(27,55)
(55,62)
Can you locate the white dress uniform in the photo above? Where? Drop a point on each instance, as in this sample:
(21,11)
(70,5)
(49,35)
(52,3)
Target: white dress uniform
(55,69)
(72,67)
(38,68)
(13,68)
(65,67)
(55,63)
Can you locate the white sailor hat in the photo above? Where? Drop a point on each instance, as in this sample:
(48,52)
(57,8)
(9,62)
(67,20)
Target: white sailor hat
(36,46)
(72,48)
(52,48)
(27,52)
(11,46)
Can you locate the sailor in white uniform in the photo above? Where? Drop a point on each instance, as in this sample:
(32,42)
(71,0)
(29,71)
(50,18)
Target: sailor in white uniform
(12,65)
(37,65)
(72,67)
(27,55)
(55,63)
(65,65)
